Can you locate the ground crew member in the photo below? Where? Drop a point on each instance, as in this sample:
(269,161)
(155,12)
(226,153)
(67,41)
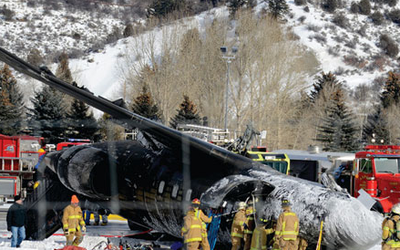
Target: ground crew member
(204,219)
(248,232)
(259,237)
(238,226)
(390,234)
(287,228)
(73,223)
(191,230)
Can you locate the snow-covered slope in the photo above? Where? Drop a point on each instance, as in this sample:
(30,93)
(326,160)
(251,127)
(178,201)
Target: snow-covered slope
(352,52)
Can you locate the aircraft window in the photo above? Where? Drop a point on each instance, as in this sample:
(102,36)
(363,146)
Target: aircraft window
(175,190)
(366,166)
(161,187)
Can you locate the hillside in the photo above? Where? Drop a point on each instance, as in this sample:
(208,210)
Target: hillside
(345,43)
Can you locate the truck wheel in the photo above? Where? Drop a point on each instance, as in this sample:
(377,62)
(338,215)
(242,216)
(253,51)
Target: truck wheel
(377,207)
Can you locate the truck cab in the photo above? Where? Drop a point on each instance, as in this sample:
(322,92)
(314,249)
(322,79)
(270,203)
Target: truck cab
(277,161)
(377,171)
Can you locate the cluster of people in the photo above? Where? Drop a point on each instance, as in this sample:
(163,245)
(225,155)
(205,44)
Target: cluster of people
(283,233)
(245,230)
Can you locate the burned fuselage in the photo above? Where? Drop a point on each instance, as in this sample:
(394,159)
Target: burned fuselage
(152,180)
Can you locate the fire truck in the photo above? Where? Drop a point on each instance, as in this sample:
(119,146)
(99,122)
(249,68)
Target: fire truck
(19,155)
(376,170)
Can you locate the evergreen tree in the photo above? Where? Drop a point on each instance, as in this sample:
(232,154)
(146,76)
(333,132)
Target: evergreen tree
(235,5)
(161,8)
(63,72)
(391,90)
(338,131)
(144,105)
(376,127)
(11,103)
(322,81)
(278,8)
(47,117)
(187,114)
(81,122)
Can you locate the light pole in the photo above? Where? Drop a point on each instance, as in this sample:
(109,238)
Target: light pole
(228,58)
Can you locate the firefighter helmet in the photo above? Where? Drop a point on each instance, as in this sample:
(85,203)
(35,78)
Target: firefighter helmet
(196,202)
(286,203)
(242,205)
(396,209)
(263,220)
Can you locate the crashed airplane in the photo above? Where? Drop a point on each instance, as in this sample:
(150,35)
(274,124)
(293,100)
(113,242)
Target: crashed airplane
(152,180)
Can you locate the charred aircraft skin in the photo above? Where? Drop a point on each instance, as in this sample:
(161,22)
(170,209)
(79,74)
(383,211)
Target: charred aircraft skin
(152,180)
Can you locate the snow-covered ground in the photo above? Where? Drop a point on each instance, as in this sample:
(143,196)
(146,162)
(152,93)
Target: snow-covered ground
(94,235)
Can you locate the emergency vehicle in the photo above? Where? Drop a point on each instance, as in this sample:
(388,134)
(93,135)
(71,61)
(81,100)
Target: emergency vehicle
(71,142)
(277,161)
(376,170)
(19,154)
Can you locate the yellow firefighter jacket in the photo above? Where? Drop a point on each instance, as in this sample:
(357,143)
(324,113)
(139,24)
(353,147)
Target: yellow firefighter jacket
(250,221)
(237,224)
(191,230)
(72,218)
(204,219)
(287,226)
(389,233)
(259,239)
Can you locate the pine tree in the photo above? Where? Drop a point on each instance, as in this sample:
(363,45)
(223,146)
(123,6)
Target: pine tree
(338,131)
(81,122)
(47,117)
(323,81)
(11,103)
(187,114)
(63,72)
(376,127)
(235,5)
(391,90)
(278,8)
(144,105)
(161,8)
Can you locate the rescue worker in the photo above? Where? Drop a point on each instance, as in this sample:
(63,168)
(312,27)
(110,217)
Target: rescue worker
(73,223)
(205,245)
(259,237)
(191,230)
(248,232)
(238,226)
(287,228)
(390,234)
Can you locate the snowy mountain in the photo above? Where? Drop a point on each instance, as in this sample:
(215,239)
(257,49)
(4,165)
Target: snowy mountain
(345,43)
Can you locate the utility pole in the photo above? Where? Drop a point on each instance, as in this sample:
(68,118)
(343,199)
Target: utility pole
(229,57)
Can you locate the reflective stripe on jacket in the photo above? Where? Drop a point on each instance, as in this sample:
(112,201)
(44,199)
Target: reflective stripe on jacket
(250,224)
(72,218)
(204,219)
(389,231)
(237,224)
(191,230)
(288,225)
(259,239)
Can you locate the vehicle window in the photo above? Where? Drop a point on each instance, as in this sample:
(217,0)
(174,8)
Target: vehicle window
(280,166)
(387,165)
(366,166)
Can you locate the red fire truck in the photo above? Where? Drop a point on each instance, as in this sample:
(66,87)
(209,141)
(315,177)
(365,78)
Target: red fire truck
(19,155)
(376,170)
(71,142)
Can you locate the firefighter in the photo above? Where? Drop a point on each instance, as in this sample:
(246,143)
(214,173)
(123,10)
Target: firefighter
(238,226)
(191,230)
(73,223)
(248,232)
(259,236)
(287,228)
(302,243)
(204,219)
(390,229)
